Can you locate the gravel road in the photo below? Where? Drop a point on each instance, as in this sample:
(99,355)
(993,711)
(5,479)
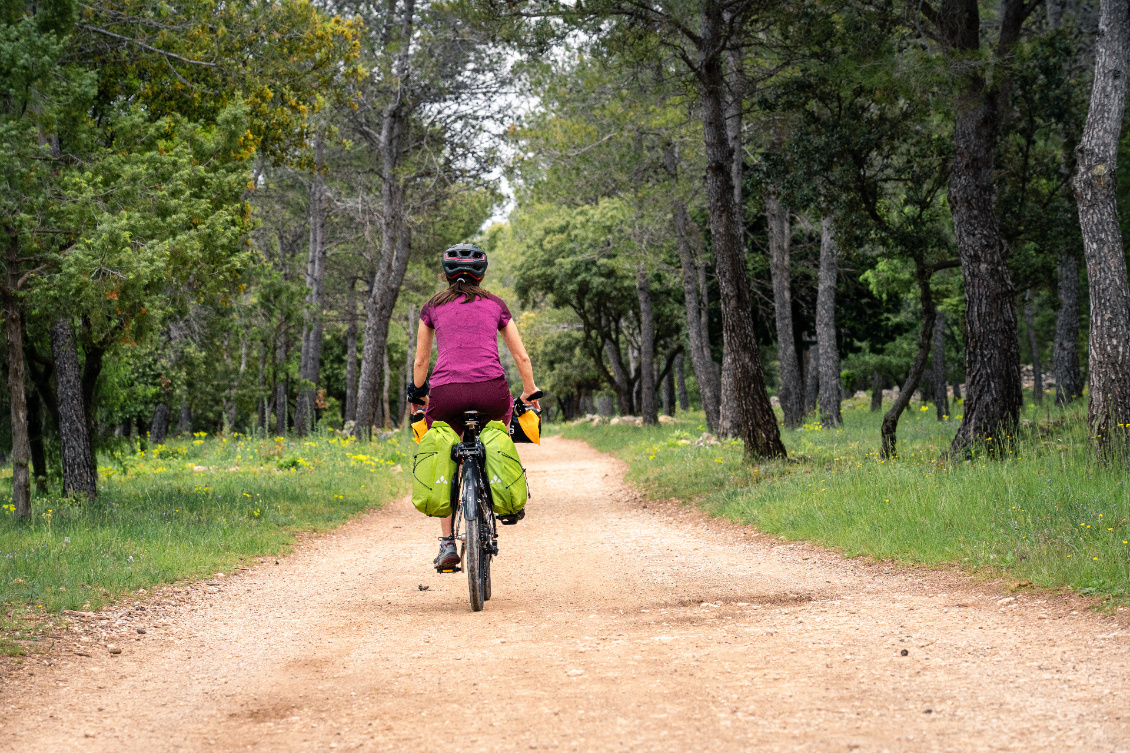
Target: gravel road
(615,625)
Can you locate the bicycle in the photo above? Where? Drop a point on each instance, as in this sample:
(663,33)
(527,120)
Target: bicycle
(472,509)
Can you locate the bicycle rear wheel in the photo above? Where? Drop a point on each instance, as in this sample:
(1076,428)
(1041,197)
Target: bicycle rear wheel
(473,564)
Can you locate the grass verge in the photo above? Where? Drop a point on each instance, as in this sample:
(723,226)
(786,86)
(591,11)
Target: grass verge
(1049,512)
(186,509)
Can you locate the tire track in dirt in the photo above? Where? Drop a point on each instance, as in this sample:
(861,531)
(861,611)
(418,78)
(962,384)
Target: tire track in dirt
(614,626)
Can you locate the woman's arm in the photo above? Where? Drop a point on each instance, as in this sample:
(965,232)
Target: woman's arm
(424,335)
(513,341)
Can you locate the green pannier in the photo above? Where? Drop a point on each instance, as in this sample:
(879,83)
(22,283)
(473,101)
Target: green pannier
(433,471)
(505,473)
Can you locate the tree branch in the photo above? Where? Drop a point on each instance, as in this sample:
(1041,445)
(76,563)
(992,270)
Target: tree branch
(144,46)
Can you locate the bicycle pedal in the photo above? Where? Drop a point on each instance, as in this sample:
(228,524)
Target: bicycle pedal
(449,570)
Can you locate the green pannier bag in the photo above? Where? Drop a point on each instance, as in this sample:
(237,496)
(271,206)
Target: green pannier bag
(433,471)
(505,473)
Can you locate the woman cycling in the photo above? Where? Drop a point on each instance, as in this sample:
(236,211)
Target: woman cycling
(466,319)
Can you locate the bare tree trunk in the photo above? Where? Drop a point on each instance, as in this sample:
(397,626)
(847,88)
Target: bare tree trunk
(715,370)
(1065,353)
(232,414)
(1108,411)
(159,427)
(669,388)
(409,358)
(281,380)
(311,354)
(351,353)
(699,350)
(758,423)
(622,383)
(1034,346)
(395,236)
(941,397)
(791,391)
(387,422)
(826,325)
(728,423)
(35,442)
(681,381)
(184,423)
(378,314)
(79,473)
(264,402)
(876,392)
(17,397)
(649,410)
(889,430)
(810,370)
(992,352)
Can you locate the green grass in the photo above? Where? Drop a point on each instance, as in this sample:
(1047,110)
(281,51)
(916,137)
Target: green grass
(187,509)
(1050,512)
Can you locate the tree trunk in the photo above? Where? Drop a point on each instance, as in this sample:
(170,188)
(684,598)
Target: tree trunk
(281,385)
(311,355)
(184,422)
(889,430)
(956,390)
(17,397)
(91,369)
(941,398)
(351,353)
(758,423)
(791,392)
(669,388)
(231,415)
(622,383)
(1034,346)
(409,358)
(715,370)
(35,442)
(395,236)
(378,314)
(699,350)
(810,370)
(264,401)
(79,472)
(1096,182)
(649,409)
(1065,353)
(387,422)
(681,382)
(876,392)
(826,326)
(992,350)
(159,427)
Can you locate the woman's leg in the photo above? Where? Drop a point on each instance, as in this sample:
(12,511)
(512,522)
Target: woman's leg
(445,527)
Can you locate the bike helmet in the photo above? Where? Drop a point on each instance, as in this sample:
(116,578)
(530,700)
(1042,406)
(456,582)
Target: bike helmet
(465,261)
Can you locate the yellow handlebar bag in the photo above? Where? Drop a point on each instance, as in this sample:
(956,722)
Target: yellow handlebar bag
(525,424)
(419,428)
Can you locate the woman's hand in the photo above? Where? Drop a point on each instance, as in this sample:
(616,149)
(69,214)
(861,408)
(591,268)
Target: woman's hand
(535,403)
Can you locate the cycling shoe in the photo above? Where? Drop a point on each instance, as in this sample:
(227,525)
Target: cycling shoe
(448,557)
(509,520)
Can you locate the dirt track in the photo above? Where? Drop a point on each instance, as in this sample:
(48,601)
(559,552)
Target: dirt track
(612,627)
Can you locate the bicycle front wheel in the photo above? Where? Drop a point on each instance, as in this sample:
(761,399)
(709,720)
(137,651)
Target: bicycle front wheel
(473,564)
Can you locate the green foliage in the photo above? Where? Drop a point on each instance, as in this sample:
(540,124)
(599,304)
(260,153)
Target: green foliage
(188,509)
(1047,513)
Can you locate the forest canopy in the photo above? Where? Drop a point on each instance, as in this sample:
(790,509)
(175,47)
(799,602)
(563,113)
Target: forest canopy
(225,217)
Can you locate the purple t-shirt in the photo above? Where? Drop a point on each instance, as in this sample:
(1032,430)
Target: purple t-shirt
(467,338)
